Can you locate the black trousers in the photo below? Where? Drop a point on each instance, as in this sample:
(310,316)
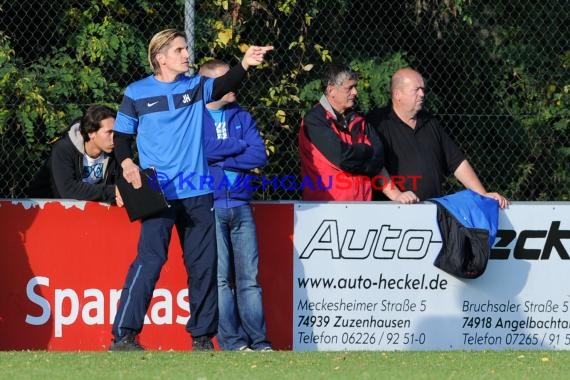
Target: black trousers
(195,224)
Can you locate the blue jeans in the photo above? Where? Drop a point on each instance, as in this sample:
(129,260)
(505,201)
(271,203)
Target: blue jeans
(242,322)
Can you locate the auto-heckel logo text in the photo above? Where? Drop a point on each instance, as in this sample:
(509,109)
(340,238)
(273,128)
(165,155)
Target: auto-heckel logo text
(535,244)
(382,242)
(390,242)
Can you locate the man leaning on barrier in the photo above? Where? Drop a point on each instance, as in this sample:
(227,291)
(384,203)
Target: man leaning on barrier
(81,164)
(416,145)
(335,139)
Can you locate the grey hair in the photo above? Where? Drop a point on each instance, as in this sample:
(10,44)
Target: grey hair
(335,74)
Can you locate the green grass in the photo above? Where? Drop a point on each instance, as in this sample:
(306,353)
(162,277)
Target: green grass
(286,365)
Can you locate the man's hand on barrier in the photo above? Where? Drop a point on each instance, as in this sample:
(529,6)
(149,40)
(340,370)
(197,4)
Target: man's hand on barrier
(118,198)
(503,202)
(407,197)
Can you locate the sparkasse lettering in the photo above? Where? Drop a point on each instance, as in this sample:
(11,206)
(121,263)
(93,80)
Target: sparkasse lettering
(93,305)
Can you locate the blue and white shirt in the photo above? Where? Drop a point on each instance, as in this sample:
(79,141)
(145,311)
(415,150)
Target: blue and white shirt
(167,119)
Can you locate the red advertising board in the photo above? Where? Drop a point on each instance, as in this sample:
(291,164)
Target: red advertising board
(63,265)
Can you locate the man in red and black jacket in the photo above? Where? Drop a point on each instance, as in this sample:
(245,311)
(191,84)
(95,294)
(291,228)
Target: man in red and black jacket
(340,152)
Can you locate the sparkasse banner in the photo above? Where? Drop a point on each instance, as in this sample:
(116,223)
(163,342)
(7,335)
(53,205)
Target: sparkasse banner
(364,279)
(335,276)
(64,264)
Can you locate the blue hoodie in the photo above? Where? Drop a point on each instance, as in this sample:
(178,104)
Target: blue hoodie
(232,154)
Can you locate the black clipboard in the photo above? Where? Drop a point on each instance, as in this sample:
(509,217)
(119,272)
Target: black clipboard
(144,201)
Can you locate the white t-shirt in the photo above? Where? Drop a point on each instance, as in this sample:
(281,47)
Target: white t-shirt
(222,134)
(93,169)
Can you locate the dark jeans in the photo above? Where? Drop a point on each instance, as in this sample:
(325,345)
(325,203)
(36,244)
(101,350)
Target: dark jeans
(195,224)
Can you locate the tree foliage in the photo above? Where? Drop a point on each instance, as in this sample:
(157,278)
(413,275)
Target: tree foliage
(492,78)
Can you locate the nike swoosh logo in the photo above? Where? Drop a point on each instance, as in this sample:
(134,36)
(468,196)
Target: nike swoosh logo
(151,104)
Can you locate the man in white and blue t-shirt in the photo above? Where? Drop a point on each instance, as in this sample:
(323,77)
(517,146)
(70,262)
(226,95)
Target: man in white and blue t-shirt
(165,112)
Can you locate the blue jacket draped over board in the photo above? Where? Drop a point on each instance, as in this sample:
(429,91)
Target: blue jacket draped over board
(468,223)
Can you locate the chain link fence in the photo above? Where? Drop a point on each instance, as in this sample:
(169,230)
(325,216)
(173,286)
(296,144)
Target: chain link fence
(497,74)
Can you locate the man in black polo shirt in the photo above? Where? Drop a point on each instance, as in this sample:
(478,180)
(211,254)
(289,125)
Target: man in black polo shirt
(416,147)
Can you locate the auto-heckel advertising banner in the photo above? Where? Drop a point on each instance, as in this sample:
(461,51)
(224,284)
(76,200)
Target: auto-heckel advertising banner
(364,279)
